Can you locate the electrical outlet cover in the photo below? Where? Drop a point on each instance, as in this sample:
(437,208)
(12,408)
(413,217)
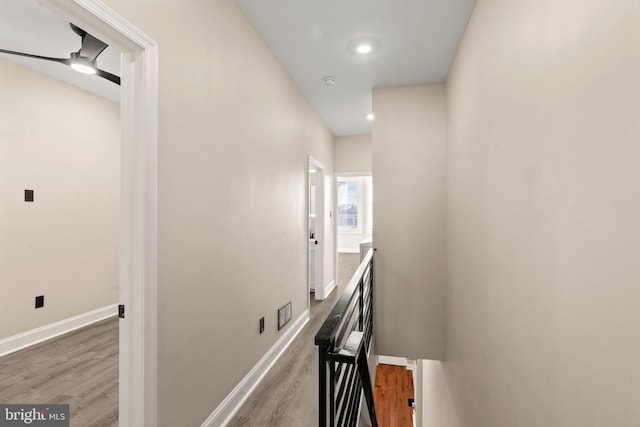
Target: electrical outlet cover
(284,315)
(282,319)
(287,311)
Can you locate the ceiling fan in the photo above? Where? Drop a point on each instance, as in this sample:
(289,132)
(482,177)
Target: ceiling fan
(84,60)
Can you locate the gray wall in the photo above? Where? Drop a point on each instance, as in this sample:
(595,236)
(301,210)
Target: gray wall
(234,136)
(64,144)
(409,139)
(544,215)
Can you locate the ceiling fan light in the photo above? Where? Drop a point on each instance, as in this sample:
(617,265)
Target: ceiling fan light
(82,64)
(83,68)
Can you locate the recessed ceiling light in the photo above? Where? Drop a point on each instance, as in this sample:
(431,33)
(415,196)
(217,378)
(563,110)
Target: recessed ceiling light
(364,48)
(370,117)
(329,80)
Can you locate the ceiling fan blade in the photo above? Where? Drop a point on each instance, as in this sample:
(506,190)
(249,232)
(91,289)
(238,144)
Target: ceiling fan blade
(106,75)
(65,61)
(91,47)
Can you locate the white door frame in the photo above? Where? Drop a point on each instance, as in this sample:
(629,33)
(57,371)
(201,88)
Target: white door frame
(138,229)
(320,234)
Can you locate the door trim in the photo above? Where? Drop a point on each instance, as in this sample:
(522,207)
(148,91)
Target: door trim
(138,230)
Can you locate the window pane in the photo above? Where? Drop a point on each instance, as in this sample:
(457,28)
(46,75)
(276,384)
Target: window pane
(348,204)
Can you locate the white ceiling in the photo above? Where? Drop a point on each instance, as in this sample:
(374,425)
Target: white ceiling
(26,26)
(417,42)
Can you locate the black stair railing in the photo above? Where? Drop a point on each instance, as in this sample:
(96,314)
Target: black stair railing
(343,342)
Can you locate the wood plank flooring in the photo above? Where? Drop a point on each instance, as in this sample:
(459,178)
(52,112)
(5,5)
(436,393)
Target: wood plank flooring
(288,394)
(79,369)
(391,394)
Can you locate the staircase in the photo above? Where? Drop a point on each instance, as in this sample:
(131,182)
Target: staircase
(393,392)
(343,344)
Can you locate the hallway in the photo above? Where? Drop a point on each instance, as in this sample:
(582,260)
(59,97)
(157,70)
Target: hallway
(288,394)
(85,364)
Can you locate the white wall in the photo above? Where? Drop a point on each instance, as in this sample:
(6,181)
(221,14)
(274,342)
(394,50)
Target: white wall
(544,208)
(409,136)
(434,407)
(234,136)
(64,144)
(352,153)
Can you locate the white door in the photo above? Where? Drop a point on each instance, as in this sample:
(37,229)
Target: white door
(315,233)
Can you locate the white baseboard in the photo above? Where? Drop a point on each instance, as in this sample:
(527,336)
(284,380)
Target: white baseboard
(330,287)
(230,405)
(35,336)
(325,291)
(349,250)
(393,360)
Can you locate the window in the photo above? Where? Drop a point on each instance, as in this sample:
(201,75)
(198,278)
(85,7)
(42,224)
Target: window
(349,200)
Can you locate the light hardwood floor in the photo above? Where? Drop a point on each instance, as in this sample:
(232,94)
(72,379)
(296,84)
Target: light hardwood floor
(79,369)
(288,394)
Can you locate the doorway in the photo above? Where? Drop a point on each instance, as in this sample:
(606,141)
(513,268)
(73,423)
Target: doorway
(354,215)
(60,241)
(315,234)
(138,204)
